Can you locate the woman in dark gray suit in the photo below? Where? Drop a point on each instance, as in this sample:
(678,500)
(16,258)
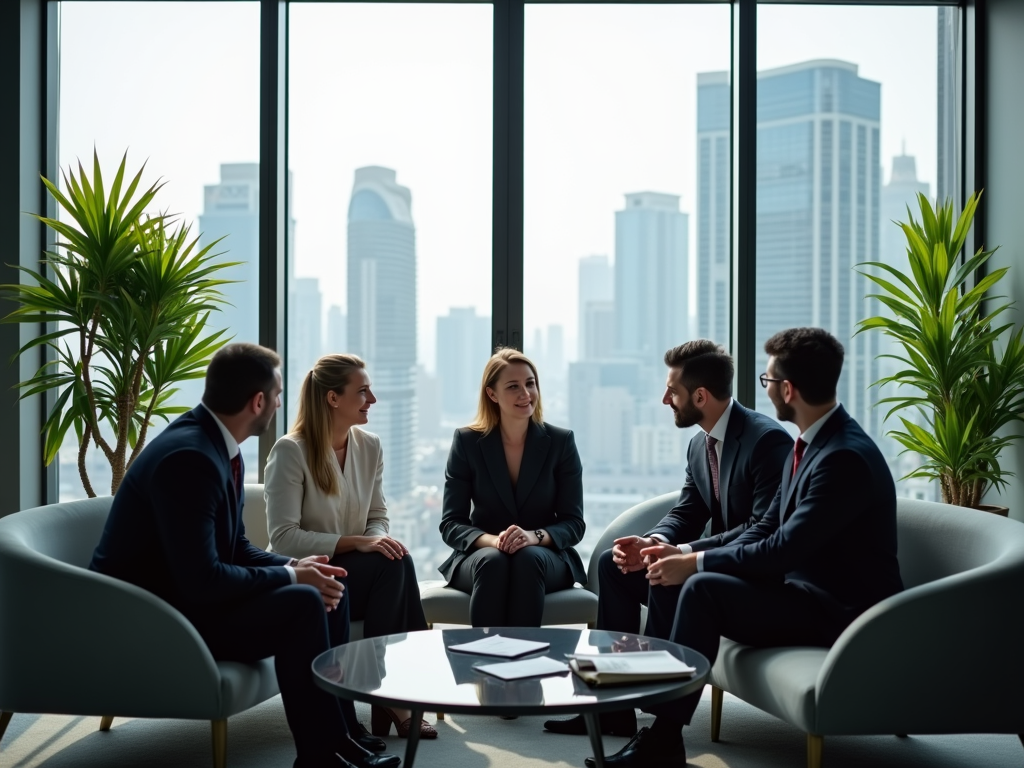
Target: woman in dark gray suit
(513,501)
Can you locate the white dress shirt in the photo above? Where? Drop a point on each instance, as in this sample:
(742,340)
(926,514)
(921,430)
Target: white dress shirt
(233,450)
(718,432)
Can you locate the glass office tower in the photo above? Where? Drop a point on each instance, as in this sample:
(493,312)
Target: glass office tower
(382,313)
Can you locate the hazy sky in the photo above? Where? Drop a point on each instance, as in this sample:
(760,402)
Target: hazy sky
(610,109)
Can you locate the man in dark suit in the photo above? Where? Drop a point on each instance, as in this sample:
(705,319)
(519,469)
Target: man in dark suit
(175,528)
(734,465)
(823,554)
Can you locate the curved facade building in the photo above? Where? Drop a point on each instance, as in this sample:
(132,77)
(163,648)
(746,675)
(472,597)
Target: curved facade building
(382,314)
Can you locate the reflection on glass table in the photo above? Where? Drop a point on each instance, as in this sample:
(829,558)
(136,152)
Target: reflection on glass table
(416,671)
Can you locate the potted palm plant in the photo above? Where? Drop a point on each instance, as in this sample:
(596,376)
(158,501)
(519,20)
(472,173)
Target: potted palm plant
(127,298)
(961,368)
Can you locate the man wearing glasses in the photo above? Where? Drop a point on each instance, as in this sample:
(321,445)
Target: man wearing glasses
(734,465)
(823,553)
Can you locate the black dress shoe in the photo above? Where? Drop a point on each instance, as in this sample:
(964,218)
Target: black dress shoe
(368,742)
(646,750)
(612,724)
(363,758)
(333,761)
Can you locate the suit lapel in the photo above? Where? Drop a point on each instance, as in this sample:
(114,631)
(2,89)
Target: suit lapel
(730,448)
(789,486)
(535,453)
(497,467)
(217,440)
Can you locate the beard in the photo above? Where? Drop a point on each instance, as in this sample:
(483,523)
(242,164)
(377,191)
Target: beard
(784,411)
(262,424)
(687,416)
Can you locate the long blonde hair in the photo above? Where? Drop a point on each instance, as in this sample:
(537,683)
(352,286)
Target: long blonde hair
(313,422)
(488,414)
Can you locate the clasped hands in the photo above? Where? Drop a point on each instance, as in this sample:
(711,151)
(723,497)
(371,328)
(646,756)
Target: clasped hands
(514,538)
(665,564)
(316,572)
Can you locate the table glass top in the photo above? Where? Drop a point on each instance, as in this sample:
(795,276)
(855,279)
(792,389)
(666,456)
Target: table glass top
(418,669)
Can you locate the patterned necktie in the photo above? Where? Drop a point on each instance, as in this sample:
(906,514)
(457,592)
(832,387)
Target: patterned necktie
(710,442)
(236,474)
(798,453)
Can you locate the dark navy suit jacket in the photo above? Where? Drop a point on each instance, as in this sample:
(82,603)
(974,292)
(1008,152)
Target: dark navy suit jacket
(753,454)
(175,525)
(831,529)
(478,495)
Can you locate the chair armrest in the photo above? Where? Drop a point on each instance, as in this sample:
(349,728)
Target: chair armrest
(943,657)
(636,520)
(78,642)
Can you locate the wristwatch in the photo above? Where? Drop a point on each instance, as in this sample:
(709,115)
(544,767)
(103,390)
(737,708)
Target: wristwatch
(539,533)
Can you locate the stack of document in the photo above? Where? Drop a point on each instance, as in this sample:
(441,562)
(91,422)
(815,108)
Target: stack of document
(496,645)
(618,668)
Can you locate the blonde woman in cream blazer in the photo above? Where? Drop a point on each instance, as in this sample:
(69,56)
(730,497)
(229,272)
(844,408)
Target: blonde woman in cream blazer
(323,486)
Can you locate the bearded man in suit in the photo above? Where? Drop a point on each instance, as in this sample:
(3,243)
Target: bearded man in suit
(823,554)
(734,465)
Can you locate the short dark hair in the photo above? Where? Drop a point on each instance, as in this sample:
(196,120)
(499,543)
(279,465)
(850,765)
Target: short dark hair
(703,363)
(811,359)
(236,374)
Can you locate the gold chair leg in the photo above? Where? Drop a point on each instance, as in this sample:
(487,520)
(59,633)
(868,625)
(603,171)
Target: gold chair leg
(440,716)
(220,743)
(591,625)
(815,745)
(5,720)
(105,722)
(430,625)
(716,712)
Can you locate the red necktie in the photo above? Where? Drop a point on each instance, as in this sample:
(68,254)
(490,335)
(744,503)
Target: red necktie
(236,473)
(713,462)
(798,453)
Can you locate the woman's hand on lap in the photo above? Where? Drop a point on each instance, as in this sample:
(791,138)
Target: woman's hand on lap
(514,538)
(385,545)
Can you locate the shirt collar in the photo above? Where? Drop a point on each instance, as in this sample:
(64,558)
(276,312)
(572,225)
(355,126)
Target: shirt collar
(229,440)
(718,431)
(813,430)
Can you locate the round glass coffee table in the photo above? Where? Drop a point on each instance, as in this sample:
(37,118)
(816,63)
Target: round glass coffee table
(416,671)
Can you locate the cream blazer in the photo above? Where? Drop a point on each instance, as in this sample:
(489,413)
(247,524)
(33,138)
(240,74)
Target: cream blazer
(301,519)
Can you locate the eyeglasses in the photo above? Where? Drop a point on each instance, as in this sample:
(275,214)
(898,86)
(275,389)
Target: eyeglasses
(765,379)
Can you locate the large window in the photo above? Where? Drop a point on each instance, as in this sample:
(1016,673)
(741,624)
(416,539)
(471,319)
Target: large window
(390,157)
(626,235)
(856,114)
(177,86)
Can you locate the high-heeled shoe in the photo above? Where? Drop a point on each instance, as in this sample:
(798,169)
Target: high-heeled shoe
(382,718)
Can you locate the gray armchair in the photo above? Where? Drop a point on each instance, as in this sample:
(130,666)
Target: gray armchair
(76,642)
(943,656)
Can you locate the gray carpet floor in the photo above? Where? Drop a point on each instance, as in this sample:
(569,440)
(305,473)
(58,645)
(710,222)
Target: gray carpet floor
(259,738)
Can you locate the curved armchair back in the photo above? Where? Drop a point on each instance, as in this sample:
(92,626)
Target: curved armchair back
(78,642)
(636,520)
(943,656)
(254,516)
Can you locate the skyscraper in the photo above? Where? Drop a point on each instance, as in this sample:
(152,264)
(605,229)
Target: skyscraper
(713,272)
(382,313)
(305,345)
(651,275)
(337,331)
(948,104)
(819,182)
(231,211)
(596,285)
(463,346)
(818,190)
